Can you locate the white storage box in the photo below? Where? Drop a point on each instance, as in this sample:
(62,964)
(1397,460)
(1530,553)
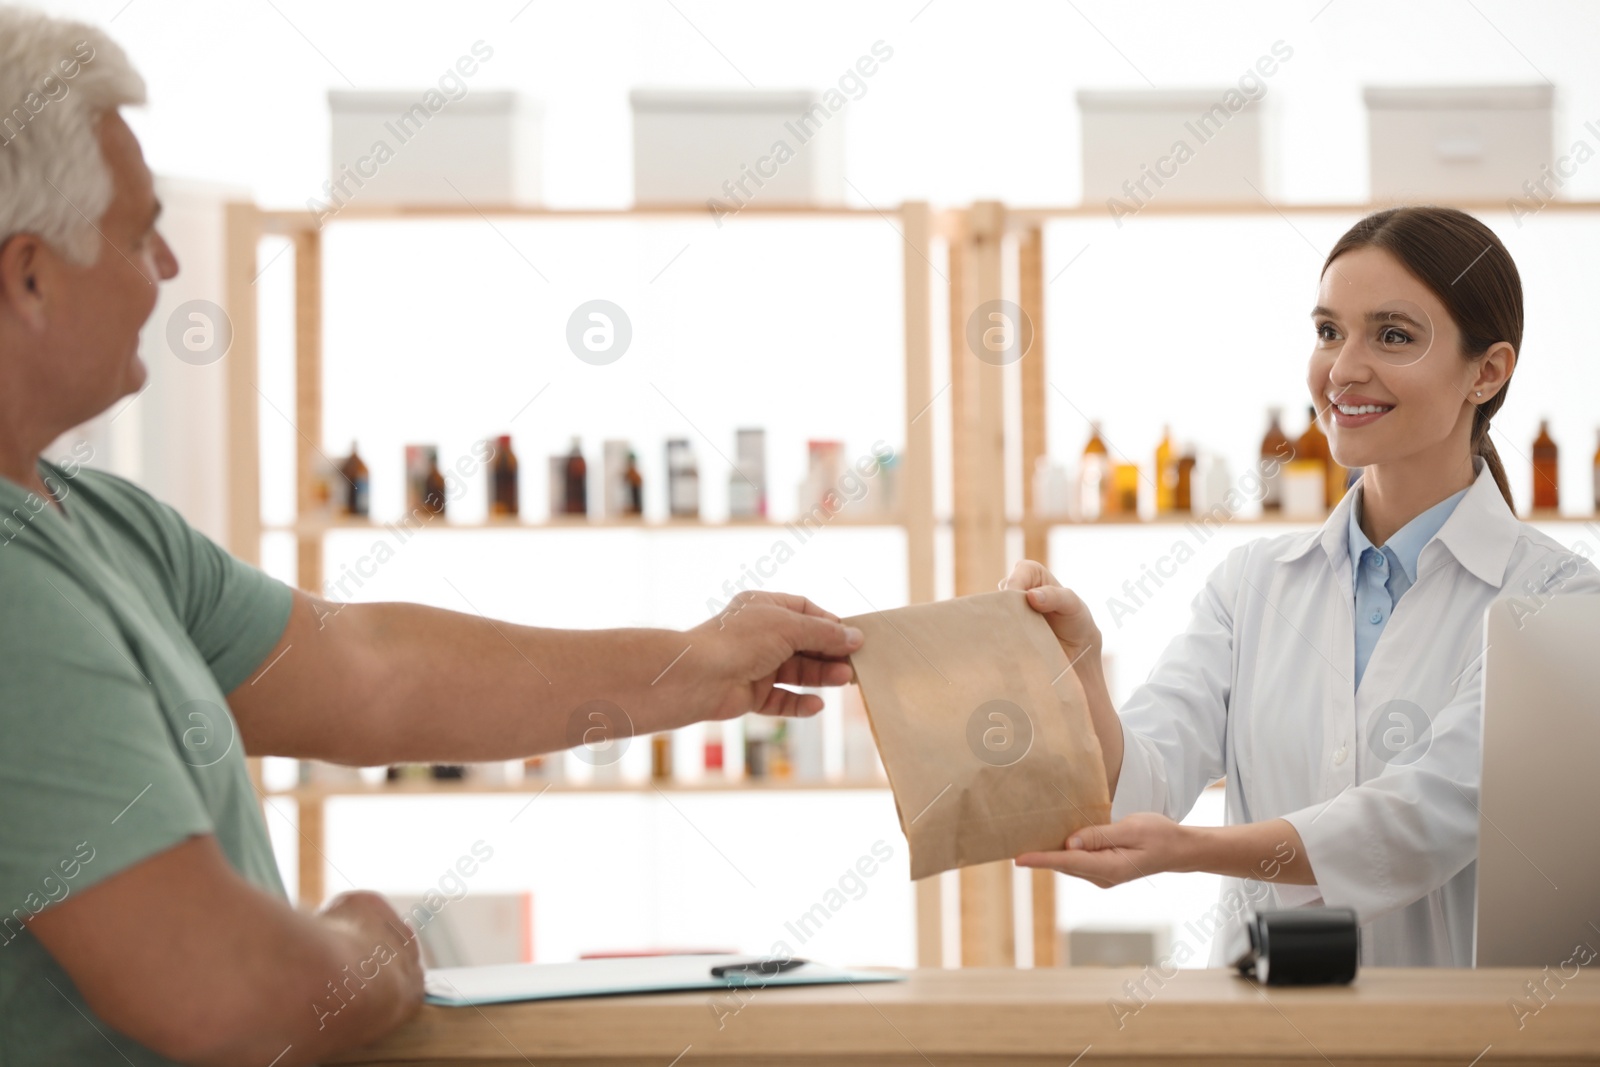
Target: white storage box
(412,147)
(1468,143)
(1109,945)
(1133,137)
(691,147)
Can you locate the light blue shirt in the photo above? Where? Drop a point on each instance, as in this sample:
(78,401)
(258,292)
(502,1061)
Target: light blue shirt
(1382,575)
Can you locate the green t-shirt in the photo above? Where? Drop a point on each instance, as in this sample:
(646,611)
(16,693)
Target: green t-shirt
(121,630)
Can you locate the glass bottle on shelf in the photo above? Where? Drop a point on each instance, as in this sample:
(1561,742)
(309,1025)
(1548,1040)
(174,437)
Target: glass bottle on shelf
(1597,477)
(713,748)
(780,761)
(633,483)
(1183,488)
(757,735)
(661,757)
(1094,476)
(1546,473)
(1166,474)
(503,491)
(357,483)
(575,499)
(433,486)
(1275,452)
(683,481)
(1312,447)
(1124,495)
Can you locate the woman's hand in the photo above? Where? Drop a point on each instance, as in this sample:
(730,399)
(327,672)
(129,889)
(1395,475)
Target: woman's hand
(1063,609)
(1074,627)
(1135,847)
(1147,843)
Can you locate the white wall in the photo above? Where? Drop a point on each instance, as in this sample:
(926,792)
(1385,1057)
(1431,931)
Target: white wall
(977,102)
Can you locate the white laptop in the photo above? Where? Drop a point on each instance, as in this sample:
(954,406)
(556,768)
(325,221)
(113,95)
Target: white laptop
(1539,810)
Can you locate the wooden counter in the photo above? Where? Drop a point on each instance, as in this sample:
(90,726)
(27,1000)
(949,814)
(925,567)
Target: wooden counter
(968,1018)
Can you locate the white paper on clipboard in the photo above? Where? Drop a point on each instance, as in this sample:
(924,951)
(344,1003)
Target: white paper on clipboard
(507,982)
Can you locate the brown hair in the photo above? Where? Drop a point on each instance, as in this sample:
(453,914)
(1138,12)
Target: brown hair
(1469,270)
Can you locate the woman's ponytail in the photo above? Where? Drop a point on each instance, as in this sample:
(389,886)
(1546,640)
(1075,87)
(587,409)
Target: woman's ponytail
(1483,445)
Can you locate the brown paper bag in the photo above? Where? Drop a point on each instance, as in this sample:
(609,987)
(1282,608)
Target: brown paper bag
(984,730)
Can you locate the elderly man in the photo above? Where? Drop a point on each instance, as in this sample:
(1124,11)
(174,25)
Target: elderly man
(142,918)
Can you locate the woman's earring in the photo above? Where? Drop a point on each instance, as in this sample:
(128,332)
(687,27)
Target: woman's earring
(1480,392)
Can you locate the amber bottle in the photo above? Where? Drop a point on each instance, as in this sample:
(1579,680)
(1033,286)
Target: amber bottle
(1166,474)
(433,487)
(635,485)
(1275,452)
(577,481)
(1094,477)
(1314,445)
(503,495)
(1183,489)
(1546,475)
(356,482)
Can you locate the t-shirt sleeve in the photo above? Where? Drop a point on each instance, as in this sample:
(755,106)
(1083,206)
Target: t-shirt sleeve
(92,780)
(233,612)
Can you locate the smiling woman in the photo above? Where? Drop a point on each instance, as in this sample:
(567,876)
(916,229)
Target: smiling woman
(1334,679)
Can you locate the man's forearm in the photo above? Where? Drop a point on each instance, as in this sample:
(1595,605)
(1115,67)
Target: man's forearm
(322,989)
(424,684)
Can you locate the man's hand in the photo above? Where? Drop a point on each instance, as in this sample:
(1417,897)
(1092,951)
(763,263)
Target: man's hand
(184,955)
(763,641)
(387,956)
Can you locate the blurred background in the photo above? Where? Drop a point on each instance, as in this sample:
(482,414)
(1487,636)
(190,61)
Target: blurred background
(1173,313)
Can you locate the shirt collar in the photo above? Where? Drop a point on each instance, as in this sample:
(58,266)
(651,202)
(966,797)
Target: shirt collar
(1480,532)
(1407,543)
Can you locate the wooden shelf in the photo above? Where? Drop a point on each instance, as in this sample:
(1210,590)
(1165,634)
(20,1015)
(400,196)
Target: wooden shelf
(533,787)
(1023,218)
(290,221)
(1257,520)
(320,527)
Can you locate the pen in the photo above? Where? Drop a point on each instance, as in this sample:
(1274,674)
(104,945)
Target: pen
(767,967)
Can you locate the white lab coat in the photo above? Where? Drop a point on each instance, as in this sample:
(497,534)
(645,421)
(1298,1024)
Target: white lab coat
(1259,691)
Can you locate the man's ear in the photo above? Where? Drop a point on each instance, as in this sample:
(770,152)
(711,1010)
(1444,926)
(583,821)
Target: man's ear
(24,259)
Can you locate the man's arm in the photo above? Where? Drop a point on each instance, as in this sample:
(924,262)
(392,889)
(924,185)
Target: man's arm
(367,684)
(183,955)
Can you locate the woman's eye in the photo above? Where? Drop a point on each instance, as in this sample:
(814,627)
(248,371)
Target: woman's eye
(1394,336)
(1326,332)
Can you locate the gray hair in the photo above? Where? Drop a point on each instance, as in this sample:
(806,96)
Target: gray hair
(57,80)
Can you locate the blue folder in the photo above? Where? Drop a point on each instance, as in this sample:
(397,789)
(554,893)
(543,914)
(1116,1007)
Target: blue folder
(503,983)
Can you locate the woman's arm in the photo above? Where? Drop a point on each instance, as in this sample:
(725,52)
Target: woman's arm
(1147,843)
(1167,743)
(1069,617)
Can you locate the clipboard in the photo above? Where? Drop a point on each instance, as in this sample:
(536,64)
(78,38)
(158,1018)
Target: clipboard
(508,982)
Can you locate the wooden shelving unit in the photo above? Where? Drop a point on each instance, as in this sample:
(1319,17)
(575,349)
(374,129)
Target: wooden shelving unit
(989,246)
(919,227)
